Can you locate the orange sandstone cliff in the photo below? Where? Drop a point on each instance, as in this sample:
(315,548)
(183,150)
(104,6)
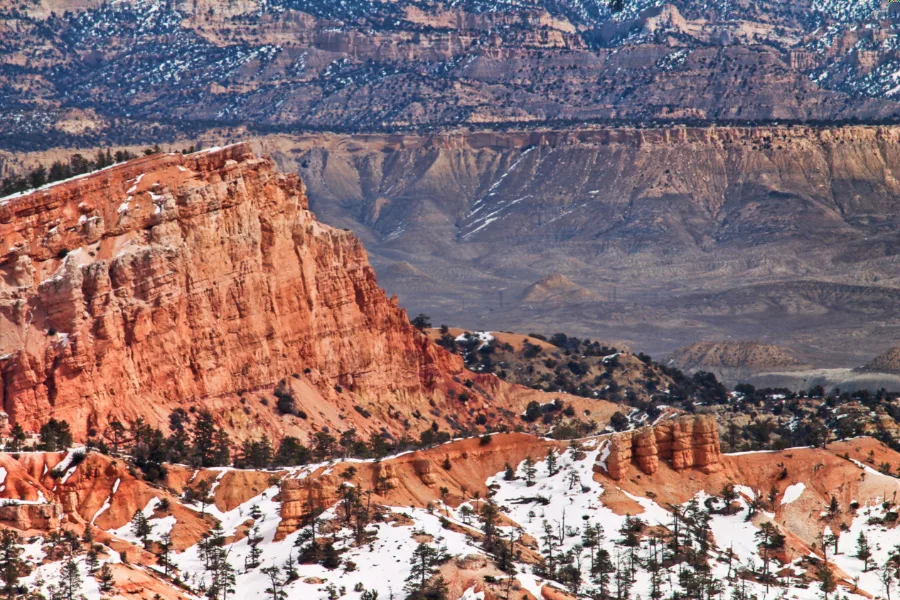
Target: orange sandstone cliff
(204,280)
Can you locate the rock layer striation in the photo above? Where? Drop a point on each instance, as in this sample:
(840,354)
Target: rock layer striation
(202,280)
(684,442)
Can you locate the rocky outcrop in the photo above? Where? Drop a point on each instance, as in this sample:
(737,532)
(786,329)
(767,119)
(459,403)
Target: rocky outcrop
(555,288)
(424,469)
(300,497)
(673,61)
(201,280)
(31,516)
(685,442)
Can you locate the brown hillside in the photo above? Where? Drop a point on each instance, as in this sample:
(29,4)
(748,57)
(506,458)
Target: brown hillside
(555,288)
(889,362)
(754,356)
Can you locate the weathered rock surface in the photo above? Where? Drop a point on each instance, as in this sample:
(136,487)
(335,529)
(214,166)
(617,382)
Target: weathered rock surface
(685,442)
(203,280)
(31,516)
(299,496)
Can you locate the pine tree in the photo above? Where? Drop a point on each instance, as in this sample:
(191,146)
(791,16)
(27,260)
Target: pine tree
(106,578)
(827,580)
(200,494)
(863,550)
(622,580)
(166,552)
(17,439)
(211,547)
(572,477)
(91,560)
(11,566)
(306,543)
(831,540)
(330,557)
(117,431)
(178,443)
(677,514)
(141,527)
(222,448)
(425,560)
(729,494)
(552,462)
(70,581)
(592,537)
(601,570)
(253,557)
(223,578)
(508,473)
(653,563)
(290,570)
(768,538)
(488,517)
(276,584)
(530,471)
(548,549)
(203,451)
(886,576)
(630,530)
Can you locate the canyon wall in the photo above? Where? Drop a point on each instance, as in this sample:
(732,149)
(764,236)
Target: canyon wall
(685,442)
(675,235)
(202,281)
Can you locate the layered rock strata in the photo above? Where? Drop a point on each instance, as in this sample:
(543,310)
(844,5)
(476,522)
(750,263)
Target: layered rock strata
(202,280)
(684,442)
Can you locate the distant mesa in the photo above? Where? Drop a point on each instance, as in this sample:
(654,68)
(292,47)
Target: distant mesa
(746,356)
(555,288)
(889,362)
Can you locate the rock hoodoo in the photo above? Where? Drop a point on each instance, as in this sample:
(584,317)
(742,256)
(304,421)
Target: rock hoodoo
(684,442)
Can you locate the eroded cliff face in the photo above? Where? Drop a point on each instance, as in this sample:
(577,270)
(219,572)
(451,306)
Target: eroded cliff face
(201,280)
(685,442)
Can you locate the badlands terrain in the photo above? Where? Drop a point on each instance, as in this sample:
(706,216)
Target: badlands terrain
(532,300)
(661,173)
(656,238)
(208,395)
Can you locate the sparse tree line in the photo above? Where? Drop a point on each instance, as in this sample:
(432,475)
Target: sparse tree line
(582,367)
(77,164)
(781,418)
(195,439)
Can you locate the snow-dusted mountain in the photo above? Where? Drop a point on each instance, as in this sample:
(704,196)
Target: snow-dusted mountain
(145,70)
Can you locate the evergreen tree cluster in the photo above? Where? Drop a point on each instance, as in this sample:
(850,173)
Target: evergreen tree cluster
(77,164)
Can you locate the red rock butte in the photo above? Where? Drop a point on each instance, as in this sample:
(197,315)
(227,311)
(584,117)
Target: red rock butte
(204,280)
